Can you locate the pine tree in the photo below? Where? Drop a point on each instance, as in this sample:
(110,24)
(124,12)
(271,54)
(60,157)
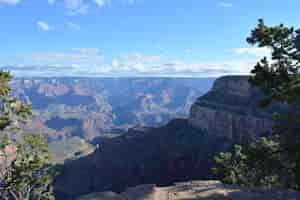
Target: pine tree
(25,170)
(279,78)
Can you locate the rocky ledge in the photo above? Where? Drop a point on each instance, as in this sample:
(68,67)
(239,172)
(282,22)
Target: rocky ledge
(195,190)
(230,109)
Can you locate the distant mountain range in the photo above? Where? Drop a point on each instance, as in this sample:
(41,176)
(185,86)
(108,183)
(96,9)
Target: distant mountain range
(93,107)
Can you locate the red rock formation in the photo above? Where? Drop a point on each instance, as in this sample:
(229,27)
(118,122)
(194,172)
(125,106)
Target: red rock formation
(56,89)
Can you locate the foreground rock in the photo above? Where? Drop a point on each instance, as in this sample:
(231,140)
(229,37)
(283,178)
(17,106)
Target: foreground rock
(194,190)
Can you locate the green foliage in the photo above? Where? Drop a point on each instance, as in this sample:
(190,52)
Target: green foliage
(12,111)
(230,167)
(280,80)
(25,170)
(275,160)
(252,166)
(29,174)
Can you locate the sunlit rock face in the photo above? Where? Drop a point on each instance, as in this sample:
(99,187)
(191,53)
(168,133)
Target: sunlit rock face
(231,109)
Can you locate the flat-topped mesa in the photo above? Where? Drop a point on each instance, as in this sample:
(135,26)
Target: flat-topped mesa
(230,109)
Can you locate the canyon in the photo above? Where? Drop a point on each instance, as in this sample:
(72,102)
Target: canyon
(182,150)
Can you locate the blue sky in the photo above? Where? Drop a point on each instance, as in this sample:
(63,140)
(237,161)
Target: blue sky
(134,37)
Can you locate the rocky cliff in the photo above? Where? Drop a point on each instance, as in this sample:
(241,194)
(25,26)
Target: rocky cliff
(180,151)
(231,109)
(175,152)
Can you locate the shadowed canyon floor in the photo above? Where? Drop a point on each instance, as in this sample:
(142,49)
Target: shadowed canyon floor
(194,190)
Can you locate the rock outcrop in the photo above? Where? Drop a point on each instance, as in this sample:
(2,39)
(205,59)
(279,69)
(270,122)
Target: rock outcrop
(194,190)
(231,109)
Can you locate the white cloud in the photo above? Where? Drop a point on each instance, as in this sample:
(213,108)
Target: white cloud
(115,63)
(101,3)
(144,65)
(51,2)
(253,51)
(81,7)
(138,62)
(90,51)
(76,7)
(225,4)
(214,68)
(75,66)
(122,68)
(73,26)
(90,62)
(10,2)
(74,56)
(44,26)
